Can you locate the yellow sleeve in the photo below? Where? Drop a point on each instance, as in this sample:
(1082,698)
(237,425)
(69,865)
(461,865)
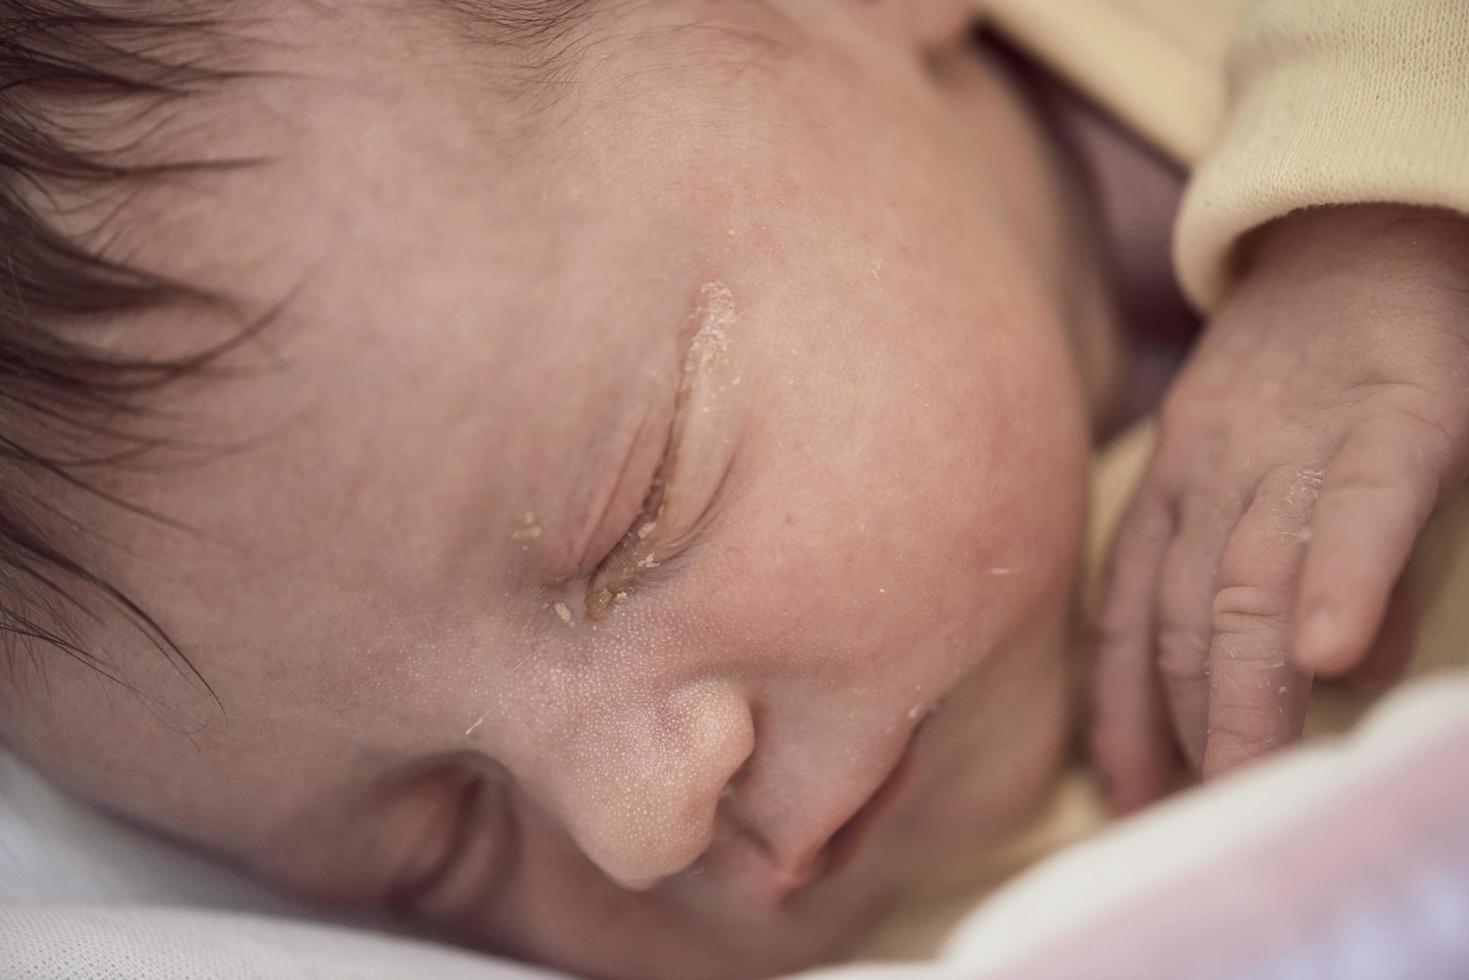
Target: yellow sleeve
(1329,102)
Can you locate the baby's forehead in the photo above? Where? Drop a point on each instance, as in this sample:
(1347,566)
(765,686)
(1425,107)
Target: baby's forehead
(404,249)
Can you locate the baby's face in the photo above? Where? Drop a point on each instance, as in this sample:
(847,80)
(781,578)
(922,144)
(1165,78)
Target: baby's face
(642,539)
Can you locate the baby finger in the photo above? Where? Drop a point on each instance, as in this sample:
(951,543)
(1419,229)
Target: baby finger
(1256,699)
(1375,500)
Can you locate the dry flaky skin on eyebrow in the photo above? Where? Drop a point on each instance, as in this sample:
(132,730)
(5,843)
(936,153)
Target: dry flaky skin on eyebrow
(702,343)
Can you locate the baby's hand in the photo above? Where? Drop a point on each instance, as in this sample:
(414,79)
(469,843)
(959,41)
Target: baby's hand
(1321,419)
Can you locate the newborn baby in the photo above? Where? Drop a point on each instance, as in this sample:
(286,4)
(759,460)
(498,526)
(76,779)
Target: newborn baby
(603,481)
(634,529)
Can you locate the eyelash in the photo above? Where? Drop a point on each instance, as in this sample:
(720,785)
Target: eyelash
(620,567)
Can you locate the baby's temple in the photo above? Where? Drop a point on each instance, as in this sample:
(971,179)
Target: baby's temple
(734,489)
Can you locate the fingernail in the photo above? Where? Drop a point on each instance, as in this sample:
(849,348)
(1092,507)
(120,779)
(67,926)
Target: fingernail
(1316,638)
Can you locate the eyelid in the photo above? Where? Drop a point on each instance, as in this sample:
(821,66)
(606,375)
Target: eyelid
(632,553)
(649,544)
(605,527)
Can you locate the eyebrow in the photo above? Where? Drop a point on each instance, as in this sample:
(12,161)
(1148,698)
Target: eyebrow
(525,23)
(549,29)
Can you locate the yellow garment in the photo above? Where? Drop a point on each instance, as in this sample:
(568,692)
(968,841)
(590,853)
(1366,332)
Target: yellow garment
(1276,105)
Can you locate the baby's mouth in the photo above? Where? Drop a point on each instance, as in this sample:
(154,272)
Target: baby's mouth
(844,846)
(846,843)
(772,888)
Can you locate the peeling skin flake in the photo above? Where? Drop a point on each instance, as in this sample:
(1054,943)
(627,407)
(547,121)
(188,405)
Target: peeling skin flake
(716,318)
(529,529)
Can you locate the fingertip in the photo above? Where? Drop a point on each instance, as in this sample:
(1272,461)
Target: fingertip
(1127,797)
(1327,642)
(1317,645)
(1127,790)
(1133,765)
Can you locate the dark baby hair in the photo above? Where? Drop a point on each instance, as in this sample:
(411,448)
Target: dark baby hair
(68,407)
(90,93)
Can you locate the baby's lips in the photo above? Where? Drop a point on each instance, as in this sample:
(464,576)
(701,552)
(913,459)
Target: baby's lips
(765,881)
(847,842)
(770,875)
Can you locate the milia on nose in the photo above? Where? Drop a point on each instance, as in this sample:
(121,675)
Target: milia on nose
(639,790)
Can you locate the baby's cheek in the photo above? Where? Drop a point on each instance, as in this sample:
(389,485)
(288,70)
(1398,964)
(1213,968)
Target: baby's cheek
(939,544)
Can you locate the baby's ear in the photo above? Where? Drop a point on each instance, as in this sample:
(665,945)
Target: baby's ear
(930,26)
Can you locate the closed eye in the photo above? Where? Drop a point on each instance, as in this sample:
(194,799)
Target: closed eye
(633,554)
(648,541)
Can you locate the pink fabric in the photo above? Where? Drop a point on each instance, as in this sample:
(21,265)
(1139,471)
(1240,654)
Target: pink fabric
(1372,885)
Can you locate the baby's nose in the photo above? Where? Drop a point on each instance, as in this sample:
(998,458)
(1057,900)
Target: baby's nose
(642,803)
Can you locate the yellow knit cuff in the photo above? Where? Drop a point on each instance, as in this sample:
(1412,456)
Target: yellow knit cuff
(1332,102)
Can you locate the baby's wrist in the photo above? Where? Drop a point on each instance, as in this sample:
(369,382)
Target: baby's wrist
(1425,247)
